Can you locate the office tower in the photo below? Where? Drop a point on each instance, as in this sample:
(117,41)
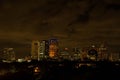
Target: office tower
(76,53)
(8,54)
(76,50)
(84,54)
(110,57)
(35,50)
(44,48)
(115,56)
(93,54)
(102,52)
(53,47)
(65,54)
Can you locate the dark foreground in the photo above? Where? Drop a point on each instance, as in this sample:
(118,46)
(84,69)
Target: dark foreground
(66,70)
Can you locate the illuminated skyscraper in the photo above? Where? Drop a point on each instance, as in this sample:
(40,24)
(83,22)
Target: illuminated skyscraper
(8,54)
(53,47)
(65,54)
(35,50)
(93,53)
(84,55)
(102,52)
(44,48)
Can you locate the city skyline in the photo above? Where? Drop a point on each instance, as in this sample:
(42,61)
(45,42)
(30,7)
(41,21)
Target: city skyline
(44,47)
(72,22)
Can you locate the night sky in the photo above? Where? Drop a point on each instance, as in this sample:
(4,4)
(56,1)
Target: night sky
(73,22)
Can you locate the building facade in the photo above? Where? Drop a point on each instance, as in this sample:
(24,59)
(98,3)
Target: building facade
(44,48)
(103,52)
(35,49)
(53,48)
(9,54)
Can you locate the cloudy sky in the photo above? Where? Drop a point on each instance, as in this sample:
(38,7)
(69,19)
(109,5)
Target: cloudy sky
(73,22)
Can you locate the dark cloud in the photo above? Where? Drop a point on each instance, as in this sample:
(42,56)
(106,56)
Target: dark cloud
(73,22)
(113,6)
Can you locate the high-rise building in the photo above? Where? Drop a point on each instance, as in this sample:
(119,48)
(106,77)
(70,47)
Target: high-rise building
(102,52)
(53,47)
(44,48)
(76,50)
(115,56)
(93,54)
(65,54)
(75,53)
(8,54)
(84,55)
(35,49)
